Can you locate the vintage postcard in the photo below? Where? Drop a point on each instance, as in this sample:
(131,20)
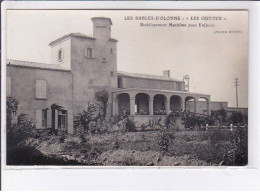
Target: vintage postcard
(126,88)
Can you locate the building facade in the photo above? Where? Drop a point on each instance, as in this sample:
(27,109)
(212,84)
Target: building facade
(80,67)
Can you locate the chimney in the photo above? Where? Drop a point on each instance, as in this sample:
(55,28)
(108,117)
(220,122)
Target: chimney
(166,73)
(101,28)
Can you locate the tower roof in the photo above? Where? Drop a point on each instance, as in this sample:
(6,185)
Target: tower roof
(102,18)
(80,35)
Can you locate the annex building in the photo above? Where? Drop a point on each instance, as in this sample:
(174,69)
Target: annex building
(83,65)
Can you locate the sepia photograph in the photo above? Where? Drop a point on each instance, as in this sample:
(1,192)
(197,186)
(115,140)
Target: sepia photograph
(126,88)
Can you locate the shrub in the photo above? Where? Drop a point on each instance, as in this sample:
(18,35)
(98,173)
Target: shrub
(130,125)
(164,140)
(11,107)
(170,122)
(20,132)
(217,135)
(83,120)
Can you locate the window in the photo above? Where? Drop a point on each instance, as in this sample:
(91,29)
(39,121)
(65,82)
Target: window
(120,82)
(89,53)
(104,60)
(60,54)
(178,86)
(44,118)
(41,87)
(8,86)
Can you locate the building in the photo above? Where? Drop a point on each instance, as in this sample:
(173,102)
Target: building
(83,65)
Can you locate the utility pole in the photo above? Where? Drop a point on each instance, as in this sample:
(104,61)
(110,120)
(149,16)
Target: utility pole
(236,85)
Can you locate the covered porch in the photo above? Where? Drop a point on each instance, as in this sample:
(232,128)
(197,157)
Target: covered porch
(134,101)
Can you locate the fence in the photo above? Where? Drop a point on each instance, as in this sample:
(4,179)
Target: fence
(229,127)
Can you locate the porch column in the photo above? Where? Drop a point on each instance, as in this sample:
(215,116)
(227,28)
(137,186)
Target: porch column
(208,108)
(195,106)
(167,106)
(150,106)
(115,106)
(132,106)
(183,104)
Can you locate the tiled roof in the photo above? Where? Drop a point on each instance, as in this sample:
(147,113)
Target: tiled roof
(146,76)
(80,35)
(35,65)
(112,39)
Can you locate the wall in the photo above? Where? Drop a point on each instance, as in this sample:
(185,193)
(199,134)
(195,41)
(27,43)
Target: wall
(23,88)
(202,105)
(92,75)
(218,105)
(129,82)
(244,111)
(66,46)
(155,121)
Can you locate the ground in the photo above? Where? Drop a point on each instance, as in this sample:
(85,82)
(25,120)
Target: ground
(186,148)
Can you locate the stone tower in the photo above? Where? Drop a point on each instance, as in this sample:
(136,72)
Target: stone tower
(92,60)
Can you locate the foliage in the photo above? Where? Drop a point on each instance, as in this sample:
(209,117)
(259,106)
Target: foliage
(221,115)
(164,140)
(21,131)
(241,141)
(102,96)
(83,120)
(195,121)
(56,107)
(170,122)
(130,125)
(226,147)
(236,118)
(11,107)
(217,135)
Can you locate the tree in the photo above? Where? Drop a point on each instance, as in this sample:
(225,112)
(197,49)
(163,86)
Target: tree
(11,107)
(102,96)
(84,118)
(21,130)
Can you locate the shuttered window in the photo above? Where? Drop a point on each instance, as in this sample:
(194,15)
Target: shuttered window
(41,89)
(89,53)
(8,86)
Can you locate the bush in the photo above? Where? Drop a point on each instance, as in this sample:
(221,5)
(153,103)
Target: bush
(83,120)
(164,140)
(20,132)
(170,122)
(130,125)
(217,135)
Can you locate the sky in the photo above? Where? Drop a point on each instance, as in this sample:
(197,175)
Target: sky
(211,58)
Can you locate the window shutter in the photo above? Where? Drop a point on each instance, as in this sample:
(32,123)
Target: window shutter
(86,53)
(56,119)
(49,118)
(70,122)
(8,86)
(41,89)
(37,89)
(38,119)
(93,53)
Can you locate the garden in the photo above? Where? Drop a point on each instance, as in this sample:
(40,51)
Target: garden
(95,143)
